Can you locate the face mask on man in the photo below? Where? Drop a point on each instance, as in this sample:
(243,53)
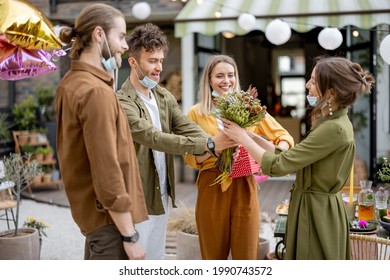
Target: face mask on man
(146,81)
(108,64)
(312,100)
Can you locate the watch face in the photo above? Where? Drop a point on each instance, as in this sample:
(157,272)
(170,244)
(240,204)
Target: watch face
(210,144)
(135,237)
(132,239)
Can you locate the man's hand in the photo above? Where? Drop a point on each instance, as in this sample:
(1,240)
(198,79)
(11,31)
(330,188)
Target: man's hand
(134,251)
(223,142)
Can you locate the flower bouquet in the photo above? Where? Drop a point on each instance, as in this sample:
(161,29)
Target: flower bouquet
(243,108)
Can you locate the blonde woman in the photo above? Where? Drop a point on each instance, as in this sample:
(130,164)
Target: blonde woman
(227,214)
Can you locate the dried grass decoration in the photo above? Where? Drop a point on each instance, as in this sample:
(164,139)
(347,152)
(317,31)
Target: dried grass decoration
(183,221)
(243,108)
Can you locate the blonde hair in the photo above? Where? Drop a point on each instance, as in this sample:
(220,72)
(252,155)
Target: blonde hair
(205,89)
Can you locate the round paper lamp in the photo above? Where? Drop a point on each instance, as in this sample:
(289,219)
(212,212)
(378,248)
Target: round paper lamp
(278,32)
(330,38)
(141,10)
(384,49)
(247,21)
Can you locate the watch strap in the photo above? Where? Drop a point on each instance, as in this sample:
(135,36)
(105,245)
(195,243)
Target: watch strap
(211,146)
(131,238)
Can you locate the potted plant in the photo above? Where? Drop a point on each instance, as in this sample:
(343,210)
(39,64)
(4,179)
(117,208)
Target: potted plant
(187,239)
(48,153)
(46,112)
(5,134)
(19,243)
(45,99)
(46,174)
(384,175)
(24,114)
(38,153)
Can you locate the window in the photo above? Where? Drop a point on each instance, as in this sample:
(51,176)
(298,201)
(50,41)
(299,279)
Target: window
(289,74)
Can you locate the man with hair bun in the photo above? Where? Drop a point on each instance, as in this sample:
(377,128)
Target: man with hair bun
(94,143)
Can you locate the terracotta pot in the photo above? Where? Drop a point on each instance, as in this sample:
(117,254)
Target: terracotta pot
(187,246)
(39,157)
(23,139)
(33,139)
(49,157)
(37,179)
(46,178)
(25,246)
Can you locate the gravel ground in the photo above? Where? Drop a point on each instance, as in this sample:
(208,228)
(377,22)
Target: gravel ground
(64,240)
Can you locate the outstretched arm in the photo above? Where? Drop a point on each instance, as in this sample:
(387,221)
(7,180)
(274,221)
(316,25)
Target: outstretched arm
(256,148)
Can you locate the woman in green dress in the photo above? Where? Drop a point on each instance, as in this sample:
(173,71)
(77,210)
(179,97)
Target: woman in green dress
(317,223)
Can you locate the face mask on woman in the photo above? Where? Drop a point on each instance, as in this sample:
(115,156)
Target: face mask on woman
(214,93)
(312,100)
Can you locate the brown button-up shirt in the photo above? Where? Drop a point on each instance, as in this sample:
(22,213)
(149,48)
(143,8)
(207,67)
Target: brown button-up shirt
(95,149)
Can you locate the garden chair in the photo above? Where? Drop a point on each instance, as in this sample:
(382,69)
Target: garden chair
(368,247)
(7,203)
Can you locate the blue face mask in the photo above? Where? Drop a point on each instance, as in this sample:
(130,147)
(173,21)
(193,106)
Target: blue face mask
(146,81)
(214,93)
(312,100)
(108,64)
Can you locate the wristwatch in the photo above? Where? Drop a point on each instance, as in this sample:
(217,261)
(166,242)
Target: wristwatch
(132,238)
(211,146)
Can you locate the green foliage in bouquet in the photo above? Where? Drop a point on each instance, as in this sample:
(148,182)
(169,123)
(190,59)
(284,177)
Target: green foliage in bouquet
(243,108)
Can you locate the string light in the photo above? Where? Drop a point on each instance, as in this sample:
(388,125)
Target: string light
(335,32)
(228,34)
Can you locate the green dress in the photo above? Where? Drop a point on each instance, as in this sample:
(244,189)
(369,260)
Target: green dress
(317,223)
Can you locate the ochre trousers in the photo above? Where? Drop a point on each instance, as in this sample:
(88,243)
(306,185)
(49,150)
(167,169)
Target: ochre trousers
(227,221)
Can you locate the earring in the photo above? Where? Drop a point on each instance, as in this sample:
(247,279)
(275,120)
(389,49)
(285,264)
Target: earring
(330,108)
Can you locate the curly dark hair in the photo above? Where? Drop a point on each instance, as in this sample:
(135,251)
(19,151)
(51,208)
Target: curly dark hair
(149,37)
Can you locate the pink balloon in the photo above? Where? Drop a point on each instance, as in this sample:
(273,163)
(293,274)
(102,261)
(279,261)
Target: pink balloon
(18,63)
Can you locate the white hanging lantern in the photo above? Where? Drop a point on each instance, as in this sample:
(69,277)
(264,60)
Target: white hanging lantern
(330,38)
(384,49)
(278,32)
(247,21)
(141,10)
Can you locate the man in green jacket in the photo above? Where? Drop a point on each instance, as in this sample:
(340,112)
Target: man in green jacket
(159,130)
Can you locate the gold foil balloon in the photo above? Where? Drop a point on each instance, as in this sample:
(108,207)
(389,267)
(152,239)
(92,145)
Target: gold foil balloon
(24,25)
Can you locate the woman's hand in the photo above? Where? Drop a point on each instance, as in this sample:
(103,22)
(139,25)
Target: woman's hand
(234,131)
